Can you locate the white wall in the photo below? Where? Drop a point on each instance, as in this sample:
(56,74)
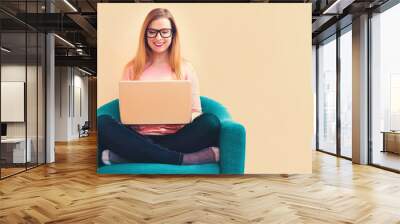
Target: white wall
(69,82)
(80,84)
(62,78)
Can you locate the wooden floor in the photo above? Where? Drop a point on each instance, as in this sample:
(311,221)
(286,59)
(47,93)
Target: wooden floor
(10,171)
(5,172)
(70,191)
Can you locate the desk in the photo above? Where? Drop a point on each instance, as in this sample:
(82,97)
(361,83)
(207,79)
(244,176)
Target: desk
(391,141)
(16,147)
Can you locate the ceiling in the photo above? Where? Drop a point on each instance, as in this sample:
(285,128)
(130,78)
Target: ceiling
(76,22)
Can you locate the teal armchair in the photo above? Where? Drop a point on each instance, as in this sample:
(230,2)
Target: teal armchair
(232,147)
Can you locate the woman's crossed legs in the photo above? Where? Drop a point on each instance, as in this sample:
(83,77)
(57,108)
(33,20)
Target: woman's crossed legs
(191,144)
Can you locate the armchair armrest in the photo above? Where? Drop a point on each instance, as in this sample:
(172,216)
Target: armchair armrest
(211,106)
(111,108)
(232,147)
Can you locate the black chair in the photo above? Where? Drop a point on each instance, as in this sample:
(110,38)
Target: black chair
(84,130)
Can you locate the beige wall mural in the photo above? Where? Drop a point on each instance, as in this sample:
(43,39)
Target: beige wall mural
(253,58)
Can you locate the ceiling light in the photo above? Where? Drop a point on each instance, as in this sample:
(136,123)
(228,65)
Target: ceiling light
(84,71)
(338,6)
(64,40)
(70,5)
(5,49)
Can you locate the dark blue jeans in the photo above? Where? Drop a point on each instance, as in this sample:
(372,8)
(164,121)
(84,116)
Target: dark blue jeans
(127,143)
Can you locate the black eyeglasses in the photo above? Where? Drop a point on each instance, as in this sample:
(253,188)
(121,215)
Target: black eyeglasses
(165,33)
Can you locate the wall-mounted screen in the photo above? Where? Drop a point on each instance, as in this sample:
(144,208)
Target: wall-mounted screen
(12,101)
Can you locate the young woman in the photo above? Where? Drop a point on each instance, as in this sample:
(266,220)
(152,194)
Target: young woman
(158,58)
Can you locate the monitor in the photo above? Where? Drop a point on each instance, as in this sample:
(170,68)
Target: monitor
(3,129)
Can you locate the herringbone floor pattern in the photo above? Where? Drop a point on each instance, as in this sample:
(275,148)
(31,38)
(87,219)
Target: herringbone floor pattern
(70,191)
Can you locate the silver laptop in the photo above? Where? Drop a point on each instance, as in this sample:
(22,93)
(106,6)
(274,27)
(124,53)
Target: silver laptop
(155,102)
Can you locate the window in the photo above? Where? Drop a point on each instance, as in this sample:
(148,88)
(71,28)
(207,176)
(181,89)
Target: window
(346,92)
(327,95)
(385,88)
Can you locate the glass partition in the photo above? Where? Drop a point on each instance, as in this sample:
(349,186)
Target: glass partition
(327,95)
(41,87)
(13,95)
(31,100)
(22,77)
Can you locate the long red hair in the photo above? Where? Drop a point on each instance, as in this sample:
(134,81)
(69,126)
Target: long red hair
(143,53)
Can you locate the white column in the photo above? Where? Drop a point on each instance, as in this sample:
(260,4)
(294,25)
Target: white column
(50,93)
(360,90)
(50,110)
